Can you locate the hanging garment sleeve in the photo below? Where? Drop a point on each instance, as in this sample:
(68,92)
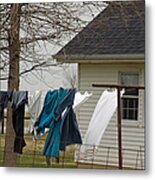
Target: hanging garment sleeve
(80,99)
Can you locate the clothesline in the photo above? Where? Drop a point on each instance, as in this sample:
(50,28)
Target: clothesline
(57,114)
(33,101)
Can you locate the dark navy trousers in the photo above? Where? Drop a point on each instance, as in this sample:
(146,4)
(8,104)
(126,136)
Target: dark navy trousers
(19,99)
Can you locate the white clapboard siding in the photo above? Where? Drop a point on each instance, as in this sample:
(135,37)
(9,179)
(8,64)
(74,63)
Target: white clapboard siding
(132,131)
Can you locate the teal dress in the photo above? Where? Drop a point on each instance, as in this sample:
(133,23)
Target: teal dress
(58,115)
(47,119)
(64,130)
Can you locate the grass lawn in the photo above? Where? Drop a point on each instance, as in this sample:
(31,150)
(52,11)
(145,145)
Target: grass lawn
(32,155)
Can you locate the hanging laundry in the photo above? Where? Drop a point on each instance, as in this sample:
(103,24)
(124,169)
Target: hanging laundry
(34,104)
(80,99)
(65,129)
(19,99)
(58,115)
(103,113)
(69,130)
(4,98)
(47,119)
(47,115)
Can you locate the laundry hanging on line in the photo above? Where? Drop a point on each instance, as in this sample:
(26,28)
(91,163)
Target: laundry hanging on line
(71,135)
(104,110)
(35,103)
(34,99)
(63,130)
(80,99)
(18,100)
(69,132)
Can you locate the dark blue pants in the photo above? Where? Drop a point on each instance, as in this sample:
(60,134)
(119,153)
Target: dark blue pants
(19,99)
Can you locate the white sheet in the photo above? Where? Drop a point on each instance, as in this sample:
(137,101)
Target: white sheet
(103,113)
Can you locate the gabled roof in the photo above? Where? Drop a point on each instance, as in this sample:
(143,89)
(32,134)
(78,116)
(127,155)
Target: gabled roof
(118,30)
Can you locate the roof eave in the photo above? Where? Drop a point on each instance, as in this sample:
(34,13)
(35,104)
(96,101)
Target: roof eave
(106,58)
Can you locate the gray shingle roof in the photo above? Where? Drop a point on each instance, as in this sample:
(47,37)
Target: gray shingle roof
(119,29)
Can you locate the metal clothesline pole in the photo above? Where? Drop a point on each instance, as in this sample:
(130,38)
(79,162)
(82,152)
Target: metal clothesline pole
(119,117)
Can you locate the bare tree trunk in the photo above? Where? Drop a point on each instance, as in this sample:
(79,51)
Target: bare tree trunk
(13,80)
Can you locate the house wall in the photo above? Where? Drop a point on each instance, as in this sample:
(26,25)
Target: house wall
(132,131)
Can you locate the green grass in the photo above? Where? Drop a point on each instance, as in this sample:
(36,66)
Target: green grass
(32,155)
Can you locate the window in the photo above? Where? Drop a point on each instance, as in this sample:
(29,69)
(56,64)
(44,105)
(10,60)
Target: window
(130,97)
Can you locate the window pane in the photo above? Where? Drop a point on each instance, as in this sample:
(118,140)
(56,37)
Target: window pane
(130,108)
(124,114)
(131,114)
(131,103)
(124,102)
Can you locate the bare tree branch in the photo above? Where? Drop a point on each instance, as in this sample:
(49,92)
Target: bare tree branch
(41,25)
